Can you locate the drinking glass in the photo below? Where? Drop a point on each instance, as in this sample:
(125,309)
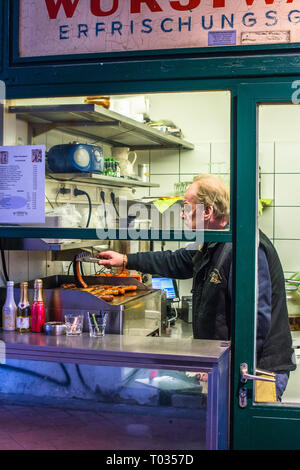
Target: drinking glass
(74,324)
(97,323)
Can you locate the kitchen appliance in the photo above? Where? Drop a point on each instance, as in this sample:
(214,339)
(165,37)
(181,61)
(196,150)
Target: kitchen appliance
(187,309)
(136,313)
(170,295)
(75,158)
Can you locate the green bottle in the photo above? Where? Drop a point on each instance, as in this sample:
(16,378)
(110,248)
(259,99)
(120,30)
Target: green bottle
(105,166)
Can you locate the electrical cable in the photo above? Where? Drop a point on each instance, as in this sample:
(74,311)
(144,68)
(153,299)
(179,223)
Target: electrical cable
(102,195)
(58,192)
(113,199)
(70,267)
(49,201)
(79,192)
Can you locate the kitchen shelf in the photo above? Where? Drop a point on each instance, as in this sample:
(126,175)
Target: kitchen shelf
(95,122)
(93,178)
(39,244)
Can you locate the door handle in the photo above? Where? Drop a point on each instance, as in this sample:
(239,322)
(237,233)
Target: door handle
(246,376)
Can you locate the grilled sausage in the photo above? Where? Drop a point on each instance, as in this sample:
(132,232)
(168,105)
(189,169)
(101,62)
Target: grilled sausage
(79,276)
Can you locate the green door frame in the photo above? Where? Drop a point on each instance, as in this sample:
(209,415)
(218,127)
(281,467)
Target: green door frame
(249,422)
(253,75)
(256,426)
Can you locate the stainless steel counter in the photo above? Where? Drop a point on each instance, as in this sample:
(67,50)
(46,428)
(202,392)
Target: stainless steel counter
(130,351)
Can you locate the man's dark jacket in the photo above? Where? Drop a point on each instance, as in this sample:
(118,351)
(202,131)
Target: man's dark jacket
(210,268)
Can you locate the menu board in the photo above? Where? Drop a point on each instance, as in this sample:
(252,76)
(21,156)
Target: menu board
(22,184)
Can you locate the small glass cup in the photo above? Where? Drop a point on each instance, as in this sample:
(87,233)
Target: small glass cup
(74,324)
(97,323)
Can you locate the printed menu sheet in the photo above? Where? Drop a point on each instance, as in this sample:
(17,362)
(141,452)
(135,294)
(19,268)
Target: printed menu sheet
(22,184)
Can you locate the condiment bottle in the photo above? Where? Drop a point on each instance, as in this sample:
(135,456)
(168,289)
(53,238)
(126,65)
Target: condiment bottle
(23,310)
(9,309)
(38,308)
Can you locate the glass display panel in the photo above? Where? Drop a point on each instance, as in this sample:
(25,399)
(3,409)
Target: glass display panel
(121,162)
(114,407)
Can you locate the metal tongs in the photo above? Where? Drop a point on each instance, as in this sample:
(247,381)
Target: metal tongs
(85,257)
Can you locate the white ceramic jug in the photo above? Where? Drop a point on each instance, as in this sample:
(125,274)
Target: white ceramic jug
(122,154)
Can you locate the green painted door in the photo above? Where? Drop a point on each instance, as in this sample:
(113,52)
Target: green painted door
(268,139)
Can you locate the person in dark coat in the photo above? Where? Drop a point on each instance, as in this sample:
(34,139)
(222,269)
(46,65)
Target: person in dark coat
(207,203)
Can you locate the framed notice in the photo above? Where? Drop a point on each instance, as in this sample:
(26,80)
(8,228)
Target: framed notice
(22,184)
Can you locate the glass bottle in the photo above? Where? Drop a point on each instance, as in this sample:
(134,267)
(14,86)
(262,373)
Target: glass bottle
(118,170)
(38,308)
(105,166)
(111,167)
(114,165)
(23,311)
(9,309)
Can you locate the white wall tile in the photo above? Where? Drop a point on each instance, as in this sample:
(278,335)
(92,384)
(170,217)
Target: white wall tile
(170,245)
(139,193)
(157,246)
(22,132)
(287,157)
(279,123)
(18,266)
(52,138)
(53,267)
(37,265)
(220,157)
(267,187)
(10,124)
(201,114)
(266,157)
(197,160)
(185,287)
(265,222)
(166,183)
(287,222)
(287,190)
(164,161)
(289,254)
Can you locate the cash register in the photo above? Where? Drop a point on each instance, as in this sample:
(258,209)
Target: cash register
(169,299)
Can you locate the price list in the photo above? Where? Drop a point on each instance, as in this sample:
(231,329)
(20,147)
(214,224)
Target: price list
(22,184)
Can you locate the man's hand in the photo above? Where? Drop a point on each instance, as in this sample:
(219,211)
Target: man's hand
(110,259)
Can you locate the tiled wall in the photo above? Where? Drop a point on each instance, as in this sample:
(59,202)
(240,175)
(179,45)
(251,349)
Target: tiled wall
(279,159)
(28,265)
(205,121)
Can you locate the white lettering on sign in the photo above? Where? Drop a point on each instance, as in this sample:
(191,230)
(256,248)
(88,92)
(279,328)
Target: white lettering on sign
(59,27)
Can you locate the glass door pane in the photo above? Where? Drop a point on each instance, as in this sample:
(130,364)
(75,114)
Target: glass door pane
(105,162)
(279,220)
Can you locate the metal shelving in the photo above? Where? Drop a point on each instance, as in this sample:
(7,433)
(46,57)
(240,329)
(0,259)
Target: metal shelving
(95,122)
(95,178)
(40,244)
